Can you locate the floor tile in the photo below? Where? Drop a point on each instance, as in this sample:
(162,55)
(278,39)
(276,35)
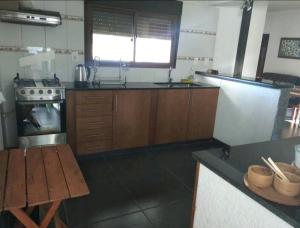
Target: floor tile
(176,215)
(106,200)
(155,190)
(136,220)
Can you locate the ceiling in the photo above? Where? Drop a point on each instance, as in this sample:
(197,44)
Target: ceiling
(273,5)
(283,5)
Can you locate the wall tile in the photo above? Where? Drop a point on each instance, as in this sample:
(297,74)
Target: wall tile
(10,34)
(56,37)
(34,4)
(75,30)
(33,36)
(9,66)
(61,67)
(59,6)
(75,8)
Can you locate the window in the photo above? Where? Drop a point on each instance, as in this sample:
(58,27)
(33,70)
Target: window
(138,37)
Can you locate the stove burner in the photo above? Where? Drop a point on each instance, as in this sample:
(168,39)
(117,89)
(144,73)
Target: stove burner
(26,82)
(51,82)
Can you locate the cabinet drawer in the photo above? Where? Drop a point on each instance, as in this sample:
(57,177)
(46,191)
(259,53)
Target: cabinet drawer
(94,135)
(93,147)
(94,97)
(93,110)
(94,123)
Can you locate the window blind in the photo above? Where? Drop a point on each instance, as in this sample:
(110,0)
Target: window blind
(151,27)
(112,23)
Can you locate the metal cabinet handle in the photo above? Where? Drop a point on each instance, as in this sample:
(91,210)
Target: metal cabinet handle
(116,103)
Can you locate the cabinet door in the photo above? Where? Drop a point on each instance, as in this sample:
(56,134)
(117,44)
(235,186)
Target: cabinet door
(172,115)
(93,121)
(131,118)
(202,113)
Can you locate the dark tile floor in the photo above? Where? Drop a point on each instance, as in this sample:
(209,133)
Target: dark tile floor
(149,187)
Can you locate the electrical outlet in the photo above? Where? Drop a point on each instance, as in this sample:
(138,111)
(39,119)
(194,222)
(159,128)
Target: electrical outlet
(74,55)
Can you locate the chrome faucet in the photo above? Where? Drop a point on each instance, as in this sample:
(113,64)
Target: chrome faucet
(169,75)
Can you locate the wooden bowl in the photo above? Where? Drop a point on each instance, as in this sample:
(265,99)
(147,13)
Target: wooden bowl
(291,188)
(260,176)
(285,167)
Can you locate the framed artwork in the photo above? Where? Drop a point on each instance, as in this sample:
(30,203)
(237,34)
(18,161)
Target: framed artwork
(289,48)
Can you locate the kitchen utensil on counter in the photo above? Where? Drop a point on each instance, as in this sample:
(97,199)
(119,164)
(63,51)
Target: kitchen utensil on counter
(260,176)
(82,75)
(278,171)
(273,168)
(271,194)
(291,188)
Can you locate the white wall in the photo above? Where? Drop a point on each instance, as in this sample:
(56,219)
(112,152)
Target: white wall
(220,204)
(227,39)
(281,24)
(69,37)
(256,30)
(245,113)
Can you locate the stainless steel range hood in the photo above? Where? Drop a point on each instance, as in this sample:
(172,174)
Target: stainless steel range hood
(30,16)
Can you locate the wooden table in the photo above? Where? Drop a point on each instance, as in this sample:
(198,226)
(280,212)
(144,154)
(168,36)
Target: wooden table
(46,175)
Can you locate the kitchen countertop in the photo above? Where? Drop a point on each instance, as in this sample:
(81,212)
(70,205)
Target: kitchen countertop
(247,80)
(133,85)
(231,163)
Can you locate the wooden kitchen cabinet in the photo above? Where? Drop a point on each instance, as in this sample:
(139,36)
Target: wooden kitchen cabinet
(203,105)
(100,121)
(131,118)
(94,115)
(172,115)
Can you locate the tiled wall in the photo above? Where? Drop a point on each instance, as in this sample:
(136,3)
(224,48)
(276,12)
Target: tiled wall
(197,39)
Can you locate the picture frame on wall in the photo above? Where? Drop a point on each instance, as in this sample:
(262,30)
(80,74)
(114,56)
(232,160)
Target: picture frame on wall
(289,48)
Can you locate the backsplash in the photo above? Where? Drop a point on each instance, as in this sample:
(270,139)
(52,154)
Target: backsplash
(197,40)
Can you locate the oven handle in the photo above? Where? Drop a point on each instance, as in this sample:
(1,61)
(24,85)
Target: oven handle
(40,102)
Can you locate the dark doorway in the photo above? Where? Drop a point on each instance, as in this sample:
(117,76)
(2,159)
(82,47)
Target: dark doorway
(262,56)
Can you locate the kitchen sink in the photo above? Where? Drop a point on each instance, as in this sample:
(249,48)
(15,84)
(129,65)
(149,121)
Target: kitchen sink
(177,84)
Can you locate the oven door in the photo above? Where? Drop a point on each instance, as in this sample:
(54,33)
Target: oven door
(40,122)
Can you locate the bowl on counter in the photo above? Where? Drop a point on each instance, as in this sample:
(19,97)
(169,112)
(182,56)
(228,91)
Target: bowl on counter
(260,176)
(285,167)
(291,188)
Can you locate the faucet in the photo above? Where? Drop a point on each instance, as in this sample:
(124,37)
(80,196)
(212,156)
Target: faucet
(169,75)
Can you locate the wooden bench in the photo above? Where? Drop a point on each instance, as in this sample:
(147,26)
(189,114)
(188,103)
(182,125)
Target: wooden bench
(38,176)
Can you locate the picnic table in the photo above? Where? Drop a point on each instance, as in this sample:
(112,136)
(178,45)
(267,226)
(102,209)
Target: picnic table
(39,176)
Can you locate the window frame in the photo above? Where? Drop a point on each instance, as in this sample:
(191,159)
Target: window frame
(88,37)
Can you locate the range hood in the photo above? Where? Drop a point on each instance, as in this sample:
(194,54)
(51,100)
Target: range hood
(30,16)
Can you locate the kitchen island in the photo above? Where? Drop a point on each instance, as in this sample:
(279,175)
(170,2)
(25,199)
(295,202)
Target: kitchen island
(222,200)
(115,117)
(248,111)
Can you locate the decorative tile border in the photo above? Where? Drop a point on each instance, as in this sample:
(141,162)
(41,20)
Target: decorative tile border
(72,18)
(191,58)
(38,49)
(197,31)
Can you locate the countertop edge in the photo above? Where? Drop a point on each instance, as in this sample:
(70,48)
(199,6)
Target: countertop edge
(204,158)
(135,86)
(245,81)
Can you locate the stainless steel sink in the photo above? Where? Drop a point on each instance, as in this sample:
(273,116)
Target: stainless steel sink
(177,84)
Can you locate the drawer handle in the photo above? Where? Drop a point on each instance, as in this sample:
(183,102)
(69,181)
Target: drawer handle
(116,103)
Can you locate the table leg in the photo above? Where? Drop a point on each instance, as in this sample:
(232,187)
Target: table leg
(28,211)
(58,223)
(23,218)
(50,214)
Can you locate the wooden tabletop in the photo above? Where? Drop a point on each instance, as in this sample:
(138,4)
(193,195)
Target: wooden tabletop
(44,175)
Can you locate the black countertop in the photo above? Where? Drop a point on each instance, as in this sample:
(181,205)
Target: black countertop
(231,163)
(133,85)
(251,81)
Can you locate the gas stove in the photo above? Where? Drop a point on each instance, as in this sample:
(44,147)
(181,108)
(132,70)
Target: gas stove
(27,89)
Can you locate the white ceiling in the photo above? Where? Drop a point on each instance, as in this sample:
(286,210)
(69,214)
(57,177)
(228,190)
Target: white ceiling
(273,5)
(283,5)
